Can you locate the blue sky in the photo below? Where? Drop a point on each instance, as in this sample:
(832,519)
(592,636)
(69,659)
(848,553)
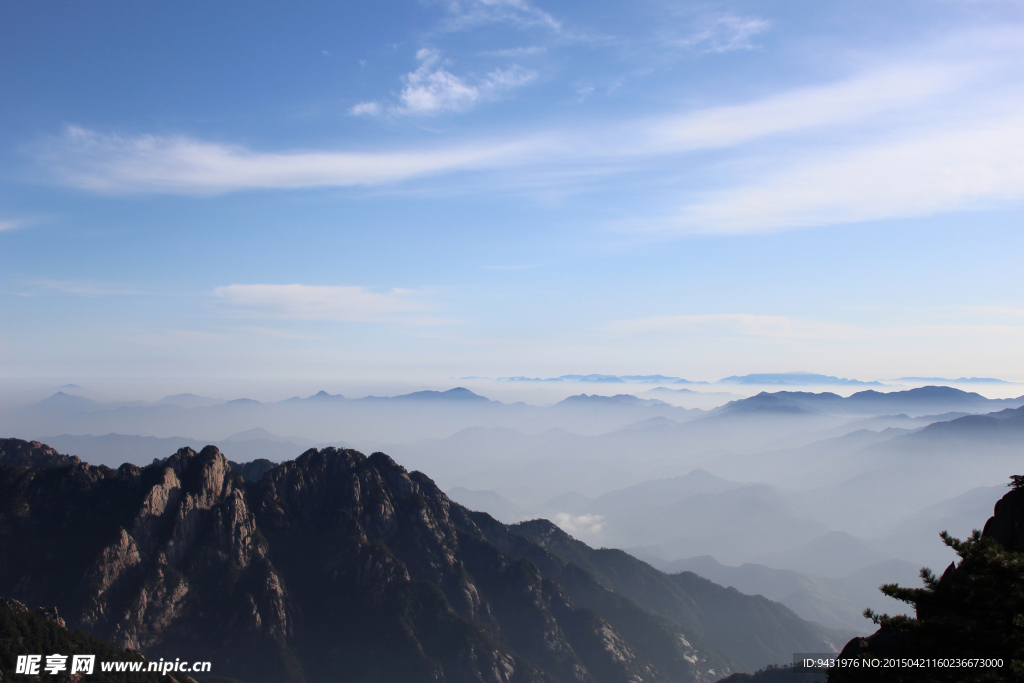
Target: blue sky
(419,190)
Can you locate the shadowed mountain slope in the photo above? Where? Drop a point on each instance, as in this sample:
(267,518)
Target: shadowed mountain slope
(334,566)
(755,630)
(838,603)
(24,632)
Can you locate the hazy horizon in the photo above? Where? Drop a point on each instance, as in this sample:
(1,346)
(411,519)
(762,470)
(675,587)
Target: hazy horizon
(104,390)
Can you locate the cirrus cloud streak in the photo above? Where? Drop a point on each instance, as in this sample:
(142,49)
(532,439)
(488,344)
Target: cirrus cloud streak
(326,303)
(149,163)
(946,170)
(908,139)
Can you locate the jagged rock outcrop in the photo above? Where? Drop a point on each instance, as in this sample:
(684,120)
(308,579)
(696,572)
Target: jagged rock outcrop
(1006,525)
(332,567)
(362,536)
(18,453)
(163,559)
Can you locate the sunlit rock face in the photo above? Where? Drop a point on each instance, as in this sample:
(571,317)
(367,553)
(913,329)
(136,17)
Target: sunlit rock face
(334,566)
(163,559)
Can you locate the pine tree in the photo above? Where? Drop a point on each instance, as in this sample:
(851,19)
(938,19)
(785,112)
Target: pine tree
(974,611)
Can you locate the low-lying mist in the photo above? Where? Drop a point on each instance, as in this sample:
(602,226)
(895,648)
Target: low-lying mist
(812,498)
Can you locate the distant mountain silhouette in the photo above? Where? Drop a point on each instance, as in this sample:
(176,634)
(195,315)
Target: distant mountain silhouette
(917,533)
(254,470)
(488,501)
(943,380)
(567,378)
(669,392)
(456,394)
(664,491)
(765,403)
(921,401)
(62,403)
(258,433)
(701,514)
(607,379)
(242,402)
(1002,425)
(793,379)
(324,396)
(835,602)
(834,555)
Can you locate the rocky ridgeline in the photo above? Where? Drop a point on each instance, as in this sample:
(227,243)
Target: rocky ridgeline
(18,453)
(162,559)
(334,566)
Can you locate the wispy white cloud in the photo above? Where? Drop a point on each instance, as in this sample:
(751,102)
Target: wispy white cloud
(149,163)
(365,109)
(577,524)
(467,14)
(726,33)
(432,89)
(114,163)
(870,94)
(942,170)
(331,303)
(908,139)
(9,225)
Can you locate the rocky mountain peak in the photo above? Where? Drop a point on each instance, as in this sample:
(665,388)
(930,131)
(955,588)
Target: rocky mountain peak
(333,562)
(1006,525)
(18,453)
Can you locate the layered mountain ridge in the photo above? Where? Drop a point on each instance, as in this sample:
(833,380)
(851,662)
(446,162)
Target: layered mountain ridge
(339,566)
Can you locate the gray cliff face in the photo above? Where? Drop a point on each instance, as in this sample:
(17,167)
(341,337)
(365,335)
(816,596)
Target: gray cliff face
(335,566)
(142,556)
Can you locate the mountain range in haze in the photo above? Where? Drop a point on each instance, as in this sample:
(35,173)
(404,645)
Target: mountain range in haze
(608,379)
(788,480)
(335,562)
(757,379)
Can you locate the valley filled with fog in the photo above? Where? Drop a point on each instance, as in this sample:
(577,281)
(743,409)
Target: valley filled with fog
(811,495)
